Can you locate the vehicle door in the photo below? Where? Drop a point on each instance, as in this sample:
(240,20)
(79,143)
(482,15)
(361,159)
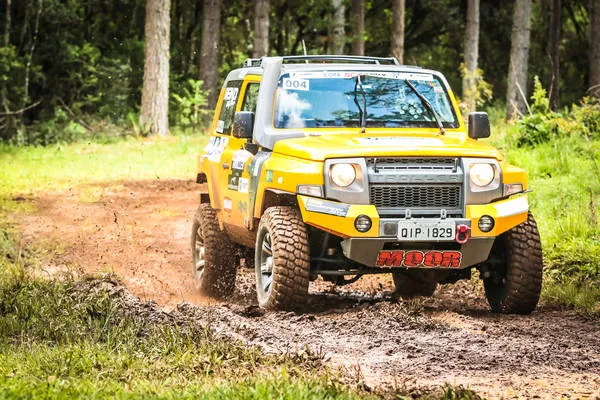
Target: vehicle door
(217,150)
(235,160)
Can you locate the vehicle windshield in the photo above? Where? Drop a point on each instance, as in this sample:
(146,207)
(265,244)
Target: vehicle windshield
(323,99)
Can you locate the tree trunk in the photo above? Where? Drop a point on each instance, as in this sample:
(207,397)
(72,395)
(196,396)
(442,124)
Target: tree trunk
(155,93)
(398,11)
(261,29)
(36,30)
(594,89)
(358,27)
(555,54)
(209,57)
(7,24)
(516,92)
(469,84)
(338,37)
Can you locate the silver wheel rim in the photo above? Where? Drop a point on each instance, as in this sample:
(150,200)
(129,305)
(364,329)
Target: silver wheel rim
(265,272)
(199,253)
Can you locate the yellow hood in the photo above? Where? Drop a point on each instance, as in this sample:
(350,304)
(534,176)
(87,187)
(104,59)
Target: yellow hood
(335,145)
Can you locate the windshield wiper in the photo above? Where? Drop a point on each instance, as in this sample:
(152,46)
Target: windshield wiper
(427,105)
(363,110)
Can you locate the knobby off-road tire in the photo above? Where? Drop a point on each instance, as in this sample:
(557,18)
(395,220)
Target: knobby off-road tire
(214,258)
(414,283)
(282,260)
(514,286)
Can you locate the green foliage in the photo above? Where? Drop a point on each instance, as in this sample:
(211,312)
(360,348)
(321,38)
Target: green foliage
(561,154)
(99,83)
(483,93)
(12,72)
(188,108)
(584,297)
(542,124)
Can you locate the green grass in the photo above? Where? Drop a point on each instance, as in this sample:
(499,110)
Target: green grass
(564,174)
(28,170)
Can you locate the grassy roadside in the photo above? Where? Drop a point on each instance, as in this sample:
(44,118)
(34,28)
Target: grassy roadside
(25,171)
(564,175)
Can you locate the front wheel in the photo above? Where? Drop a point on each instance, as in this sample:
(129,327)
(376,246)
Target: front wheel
(282,259)
(515,282)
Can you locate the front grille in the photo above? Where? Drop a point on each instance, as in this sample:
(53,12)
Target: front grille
(403,164)
(415,196)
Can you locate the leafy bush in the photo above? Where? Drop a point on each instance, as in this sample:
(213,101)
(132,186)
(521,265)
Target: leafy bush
(188,105)
(483,90)
(542,124)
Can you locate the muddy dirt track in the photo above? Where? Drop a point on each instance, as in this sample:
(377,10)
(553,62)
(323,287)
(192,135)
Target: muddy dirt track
(140,231)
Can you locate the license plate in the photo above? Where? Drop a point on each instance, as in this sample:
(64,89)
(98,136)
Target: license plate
(420,230)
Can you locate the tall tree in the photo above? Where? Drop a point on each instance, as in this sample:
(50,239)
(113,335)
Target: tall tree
(358,27)
(398,12)
(155,93)
(471,55)
(595,49)
(516,92)
(7,23)
(554,52)
(209,57)
(338,37)
(261,29)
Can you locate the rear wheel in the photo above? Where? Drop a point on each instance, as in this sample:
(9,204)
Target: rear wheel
(214,257)
(515,279)
(282,259)
(414,283)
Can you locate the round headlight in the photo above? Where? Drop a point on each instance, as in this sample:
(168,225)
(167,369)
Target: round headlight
(343,175)
(482,174)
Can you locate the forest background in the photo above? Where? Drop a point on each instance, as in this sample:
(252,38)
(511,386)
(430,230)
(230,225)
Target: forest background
(71,69)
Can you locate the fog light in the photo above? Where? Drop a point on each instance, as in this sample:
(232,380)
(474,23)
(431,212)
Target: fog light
(362,223)
(486,223)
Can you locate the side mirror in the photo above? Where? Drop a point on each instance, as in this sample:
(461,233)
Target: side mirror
(243,124)
(479,125)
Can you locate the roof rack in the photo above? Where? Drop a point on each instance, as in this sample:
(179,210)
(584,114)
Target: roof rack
(256,62)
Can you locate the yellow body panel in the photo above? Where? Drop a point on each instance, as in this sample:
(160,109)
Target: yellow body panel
(512,174)
(285,176)
(346,142)
(506,213)
(341,226)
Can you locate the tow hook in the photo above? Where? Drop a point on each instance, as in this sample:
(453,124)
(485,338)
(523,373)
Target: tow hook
(463,232)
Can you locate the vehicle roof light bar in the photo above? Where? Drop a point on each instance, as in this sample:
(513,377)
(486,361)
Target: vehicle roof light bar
(256,62)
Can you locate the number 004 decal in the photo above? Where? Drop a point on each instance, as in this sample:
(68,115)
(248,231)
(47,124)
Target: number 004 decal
(413,258)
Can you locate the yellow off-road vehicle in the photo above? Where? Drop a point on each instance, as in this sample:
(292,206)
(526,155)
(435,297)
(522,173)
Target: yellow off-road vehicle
(340,166)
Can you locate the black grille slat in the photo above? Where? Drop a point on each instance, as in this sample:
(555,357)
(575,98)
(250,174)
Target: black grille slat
(394,163)
(415,196)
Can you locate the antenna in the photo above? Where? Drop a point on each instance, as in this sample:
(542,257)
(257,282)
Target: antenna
(304,47)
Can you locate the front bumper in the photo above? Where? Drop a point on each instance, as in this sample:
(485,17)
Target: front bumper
(373,248)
